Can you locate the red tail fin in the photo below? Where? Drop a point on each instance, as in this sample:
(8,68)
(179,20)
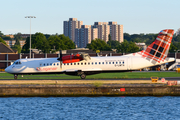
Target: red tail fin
(158,50)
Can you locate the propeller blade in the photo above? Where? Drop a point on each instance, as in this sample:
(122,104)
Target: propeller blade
(60,54)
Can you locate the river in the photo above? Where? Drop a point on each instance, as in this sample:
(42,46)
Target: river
(90,108)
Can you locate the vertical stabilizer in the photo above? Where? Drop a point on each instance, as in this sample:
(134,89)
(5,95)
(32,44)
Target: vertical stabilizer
(158,50)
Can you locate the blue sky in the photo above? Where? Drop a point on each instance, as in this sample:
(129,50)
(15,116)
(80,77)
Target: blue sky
(137,16)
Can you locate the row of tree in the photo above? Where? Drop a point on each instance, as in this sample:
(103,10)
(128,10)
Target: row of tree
(149,38)
(53,43)
(124,47)
(47,43)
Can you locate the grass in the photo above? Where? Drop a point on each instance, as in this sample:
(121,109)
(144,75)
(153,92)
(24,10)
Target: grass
(95,83)
(121,75)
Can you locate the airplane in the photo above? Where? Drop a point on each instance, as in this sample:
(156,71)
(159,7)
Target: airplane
(82,64)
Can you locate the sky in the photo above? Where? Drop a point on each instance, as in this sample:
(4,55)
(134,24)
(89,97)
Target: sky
(136,16)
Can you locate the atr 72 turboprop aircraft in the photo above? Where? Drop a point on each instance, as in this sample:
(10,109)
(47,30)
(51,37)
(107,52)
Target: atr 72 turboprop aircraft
(83,64)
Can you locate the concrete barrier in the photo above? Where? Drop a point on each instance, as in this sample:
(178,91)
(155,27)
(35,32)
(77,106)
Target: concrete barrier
(53,90)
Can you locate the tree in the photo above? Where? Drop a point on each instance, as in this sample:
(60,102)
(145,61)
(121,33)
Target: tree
(127,47)
(109,37)
(18,36)
(1,34)
(123,47)
(99,44)
(69,44)
(17,46)
(133,47)
(39,42)
(113,43)
(1,40)
(61,42)
(172,48)
(56,43)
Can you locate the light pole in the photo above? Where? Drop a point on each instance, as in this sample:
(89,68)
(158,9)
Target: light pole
(30,35)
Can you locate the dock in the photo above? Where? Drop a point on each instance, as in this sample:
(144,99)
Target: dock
(77,88)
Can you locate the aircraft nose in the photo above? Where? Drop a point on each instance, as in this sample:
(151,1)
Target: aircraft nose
(7,70)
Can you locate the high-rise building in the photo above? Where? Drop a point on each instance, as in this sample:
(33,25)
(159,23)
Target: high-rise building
(94,33)
(103,30)
(116,31)
(70,26)
(83,36)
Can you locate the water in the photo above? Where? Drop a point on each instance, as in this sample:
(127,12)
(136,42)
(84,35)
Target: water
(92,108)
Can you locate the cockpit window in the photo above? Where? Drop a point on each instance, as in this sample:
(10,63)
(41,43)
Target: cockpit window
(17,63)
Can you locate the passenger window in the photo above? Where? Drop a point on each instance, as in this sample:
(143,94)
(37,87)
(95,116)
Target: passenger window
(57,64)
(96,63)
(47,64)
(67,63)
(44,64)
(78,63)
(88,63)
(50,63)
(71,63)
(102,62)
(106,62)
(116,62)
(112,62)
(64,63)
(81,63)
(99,62)
(119,62)
(54,64)
(84,63)
(109,62)
(74,63)
(40,64)
(92,63)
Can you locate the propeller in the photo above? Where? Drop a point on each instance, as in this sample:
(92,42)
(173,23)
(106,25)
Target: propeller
(60,58)
(60,54)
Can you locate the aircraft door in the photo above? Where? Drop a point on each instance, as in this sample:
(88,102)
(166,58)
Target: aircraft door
(129,63)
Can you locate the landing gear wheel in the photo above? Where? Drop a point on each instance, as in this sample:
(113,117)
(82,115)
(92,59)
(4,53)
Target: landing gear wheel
(15,76)
(83,76)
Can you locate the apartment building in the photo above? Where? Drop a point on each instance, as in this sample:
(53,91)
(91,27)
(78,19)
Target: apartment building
(103,30)
(70,26)
(94,33)
(83,36)
(10,43)
(116,31)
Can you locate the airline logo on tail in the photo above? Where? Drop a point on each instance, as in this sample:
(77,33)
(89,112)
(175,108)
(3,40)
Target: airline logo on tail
(158,50)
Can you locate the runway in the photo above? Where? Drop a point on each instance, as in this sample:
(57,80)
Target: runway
(131,79)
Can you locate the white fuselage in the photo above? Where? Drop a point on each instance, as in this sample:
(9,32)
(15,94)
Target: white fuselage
(52,65)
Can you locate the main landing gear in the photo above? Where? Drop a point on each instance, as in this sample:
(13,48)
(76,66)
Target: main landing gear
(83,76)
(15,76)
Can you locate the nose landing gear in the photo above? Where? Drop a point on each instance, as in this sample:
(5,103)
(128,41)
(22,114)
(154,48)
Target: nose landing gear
(15,76)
